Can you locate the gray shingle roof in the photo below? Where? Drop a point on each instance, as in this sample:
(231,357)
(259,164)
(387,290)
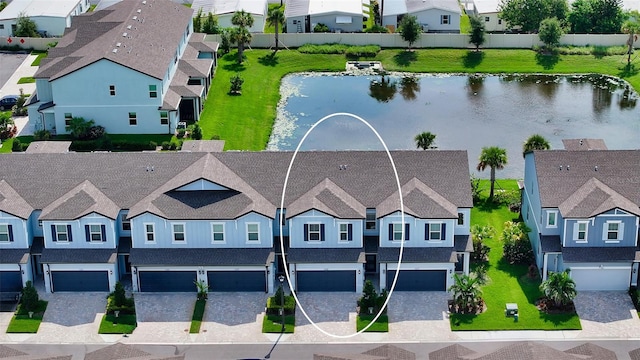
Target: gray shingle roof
(550,243)
(149,46)
(419,200)
(14,256)
(463,243)
(48,146)
(82,200)
(203,146)
(451,352)
(322,255)
(79,256)
(584,144)
(527,351)
(595,198)
(594,351)
(417,254)
(614,172)
(330,199)
(12,203)
(391,352)
(188,205)
(598,254)
(201,257)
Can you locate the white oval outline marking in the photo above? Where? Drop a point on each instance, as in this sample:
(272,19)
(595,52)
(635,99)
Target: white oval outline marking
(284,260)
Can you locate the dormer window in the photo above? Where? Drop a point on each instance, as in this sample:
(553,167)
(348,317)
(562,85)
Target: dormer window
(6,233)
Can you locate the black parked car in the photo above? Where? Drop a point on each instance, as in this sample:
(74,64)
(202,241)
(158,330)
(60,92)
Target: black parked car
(7,102)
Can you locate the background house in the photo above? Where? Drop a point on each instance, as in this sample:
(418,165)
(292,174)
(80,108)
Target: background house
(489,12)
(127,68)
(340,16)
(433,15)
(51,17)
(224,10)
(583,211)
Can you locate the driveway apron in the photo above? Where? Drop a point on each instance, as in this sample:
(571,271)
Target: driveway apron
(233,317)
(606,314)
(163,316)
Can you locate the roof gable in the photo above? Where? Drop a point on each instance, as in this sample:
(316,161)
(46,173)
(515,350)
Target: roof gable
(82,200)
(593,198)
(12,203)
(330,199)
(419,200)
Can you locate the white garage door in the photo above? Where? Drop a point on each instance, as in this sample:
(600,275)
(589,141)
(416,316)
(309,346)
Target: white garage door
(601,279)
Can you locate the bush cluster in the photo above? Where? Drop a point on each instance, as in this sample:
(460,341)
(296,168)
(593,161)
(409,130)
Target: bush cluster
(349,50)
(106,144)
(371,299)
(480,250)
(118,301)
(273,303)
(587,50)
(517,248)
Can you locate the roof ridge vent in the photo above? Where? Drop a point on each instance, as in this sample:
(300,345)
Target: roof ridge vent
(595,168)
(124,34)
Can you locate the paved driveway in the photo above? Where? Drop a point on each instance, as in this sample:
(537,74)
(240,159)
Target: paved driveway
(606,314)
(9,62)
(163,316)
(234,317)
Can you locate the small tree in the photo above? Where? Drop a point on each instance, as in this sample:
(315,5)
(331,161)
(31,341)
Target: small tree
(275,19)
(225,41)
(631,27)
(79,127)
(25,27)
(517,248)
(321,28)
(535,142)
(494,158)
(5,120)
(210,24)
(236,84)
(424,140)
(196,133)
(119,295)
(241,35)
(197,21)
(559,288)
(550,32)
(30,299)
(370,302)
(410,30)
(480,250)
(477,31)
(467,295)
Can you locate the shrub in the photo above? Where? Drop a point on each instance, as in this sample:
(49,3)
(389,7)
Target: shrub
(181,133)
(118,301)
(166,145)
(30,299)
(274,303)
(19,109)
(475,189)
(125,145)
(196,133)
(93,133)
(215,137)
(480,249)
(321,28)
(17,145)
(362,51)
(376,29)
(42,135)
(371,300)
(236,84)
(517,248)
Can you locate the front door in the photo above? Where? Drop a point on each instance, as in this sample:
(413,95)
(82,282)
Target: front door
(370,266)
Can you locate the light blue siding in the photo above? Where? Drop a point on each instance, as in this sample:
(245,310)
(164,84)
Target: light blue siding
(432,19)
(596,236)
(198,233)
(19,232)
(376,230)
(331,231)
(119,230)
(416,231)
(78,233)
(34,225)
(276,224)
(544,217)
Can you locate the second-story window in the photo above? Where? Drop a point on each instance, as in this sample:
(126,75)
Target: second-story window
(6,233)
(217,231)
(580,231)
(395,231)
(345,232)
(95,233)
(313,232)
(370,222)
(112,90)
(133,119)
(164,118)
(178,233)
(253,232)
(61,233)
(460,219)
(126,223)
(613,231)
(150,234)
(436,231)
(552,219)
(444,19)
(153,91)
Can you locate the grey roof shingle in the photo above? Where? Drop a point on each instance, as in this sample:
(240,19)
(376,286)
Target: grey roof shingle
(82,200)
(451,352)
(550,243)
(595,198)
(561,174)
(12,203)
(330,199)
(593,351)
(598,254)
(203,146)
(527,351)
(201,257)
(203,204)
(149,45)
(79,256)
(463,243)
(417,254)
(391,352)
(14,256)
(584,144)
(48,147)
(323,255)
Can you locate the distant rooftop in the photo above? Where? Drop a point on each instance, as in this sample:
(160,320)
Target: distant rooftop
(203,146)
(584,144)
(50,147)
(52,8)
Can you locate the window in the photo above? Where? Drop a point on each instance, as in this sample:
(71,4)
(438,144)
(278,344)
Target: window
(153,91)
(164,118)
(460,219)
(253,232)
(435,231)
(61,233)
(444,19)
(126,223)
(178,232)
(194,82)
(94,232)
(149,230)
(613,231)
(345,232)
(371,219)
(67,119)
(217,231)
(1,26)
(486,19)
(313,231)
(395,231)
(580,232)
(499,21)
(112,90)
(133,119)
(552,219)
(6,233)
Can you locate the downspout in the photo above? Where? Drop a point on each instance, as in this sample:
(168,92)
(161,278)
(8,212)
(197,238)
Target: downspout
(49,275)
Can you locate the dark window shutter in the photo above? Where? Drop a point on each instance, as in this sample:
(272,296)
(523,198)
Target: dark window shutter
(86,233)
(104,232)
(306,232)
(426,231)
(349,232)
(10,228)
(406,231)
(69,233)
(321,232)
(53,233)
(390,231)
(443,232)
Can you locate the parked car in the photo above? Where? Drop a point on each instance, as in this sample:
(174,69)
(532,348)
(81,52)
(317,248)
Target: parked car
(7,102)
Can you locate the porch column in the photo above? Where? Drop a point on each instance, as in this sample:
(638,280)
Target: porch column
(545,259)
(465,268)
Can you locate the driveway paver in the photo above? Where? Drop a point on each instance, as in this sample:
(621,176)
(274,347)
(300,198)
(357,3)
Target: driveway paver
(163,316)
(606,314)
(233,317)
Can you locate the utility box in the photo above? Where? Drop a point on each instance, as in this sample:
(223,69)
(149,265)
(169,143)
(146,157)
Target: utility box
(511,309)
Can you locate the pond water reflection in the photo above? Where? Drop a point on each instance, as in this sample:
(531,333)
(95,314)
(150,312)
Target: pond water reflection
(465,112)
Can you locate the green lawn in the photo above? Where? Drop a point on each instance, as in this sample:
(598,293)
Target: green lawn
(245,121)
(273,324)
(268,29)
(123,324)
(381,325)
(465,25)
(26,80)
(508,283)
(41,55)
(198,314)
(22,323)
(7,144)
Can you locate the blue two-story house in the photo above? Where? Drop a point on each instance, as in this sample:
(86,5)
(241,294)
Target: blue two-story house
(583,210)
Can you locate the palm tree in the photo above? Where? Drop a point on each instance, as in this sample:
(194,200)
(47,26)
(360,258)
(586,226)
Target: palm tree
(560,288)
(424,140)
(275,18)
(241,35)
(466,293)
(535,142)
(631,27)
(493,157)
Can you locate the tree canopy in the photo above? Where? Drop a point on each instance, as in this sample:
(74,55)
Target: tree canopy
(477,31)
(528,14)
(275,18)
(632,27)
(25,27)
(240,34)
(550,32)
(492,157)
(559,287)
(410,30)
(596,16)
(535,142)
(424,140)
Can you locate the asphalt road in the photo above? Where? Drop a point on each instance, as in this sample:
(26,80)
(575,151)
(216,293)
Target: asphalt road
(8,65)
(299,351)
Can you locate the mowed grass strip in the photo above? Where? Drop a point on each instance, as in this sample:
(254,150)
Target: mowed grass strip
(123,324)
(508,283)
(381,325)
(273,324)
(245,121)
(198,315)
